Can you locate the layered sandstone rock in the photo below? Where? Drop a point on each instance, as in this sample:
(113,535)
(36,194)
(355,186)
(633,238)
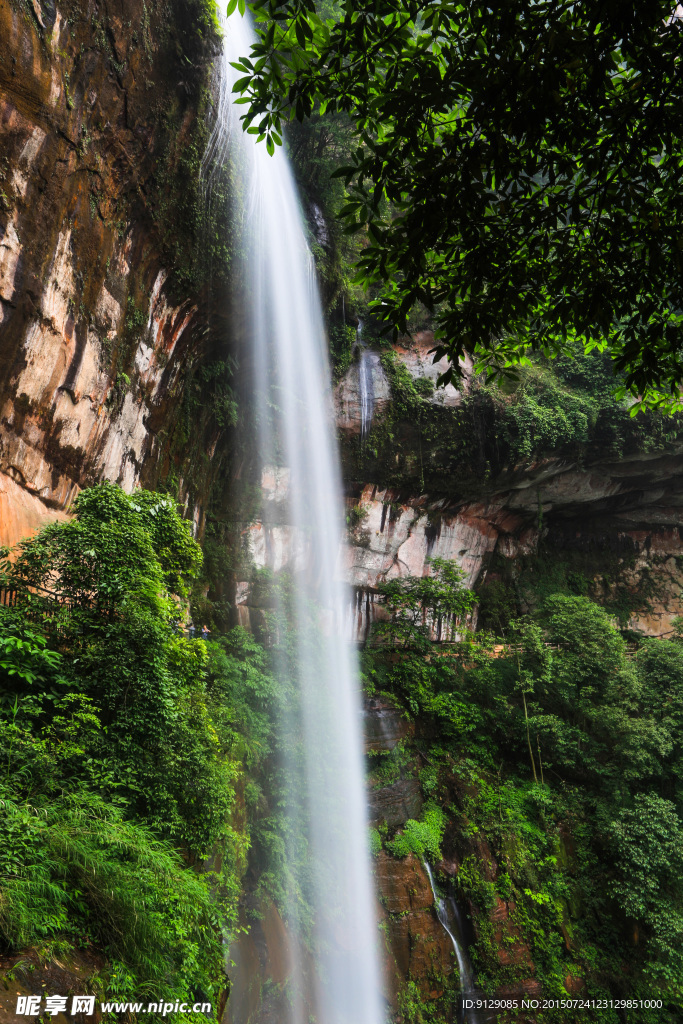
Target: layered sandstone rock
(93,342)
(632,510)
(22,514)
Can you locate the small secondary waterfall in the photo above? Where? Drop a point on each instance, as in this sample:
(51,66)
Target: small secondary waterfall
(365,383)
(454,929)
(326,797)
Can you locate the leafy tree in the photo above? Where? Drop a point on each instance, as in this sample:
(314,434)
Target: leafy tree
(587,844)
(517,165)
(119,748)
(243,692)
(118,549)
(419,604)
(102,585)
(649,850)
(591,648)
(660,669)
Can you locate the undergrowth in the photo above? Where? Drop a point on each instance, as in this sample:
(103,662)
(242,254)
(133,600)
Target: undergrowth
(123,743)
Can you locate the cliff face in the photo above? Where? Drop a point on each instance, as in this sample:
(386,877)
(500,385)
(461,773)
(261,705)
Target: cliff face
(104,314)
(451,474)
(97,104)
(103,317)
(441,473)
(413,944)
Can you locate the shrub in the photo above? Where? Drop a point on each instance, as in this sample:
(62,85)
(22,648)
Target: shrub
(423,838)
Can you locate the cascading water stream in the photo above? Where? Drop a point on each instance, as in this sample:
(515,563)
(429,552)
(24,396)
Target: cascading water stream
(326,797)
(468,1015)
(365,384)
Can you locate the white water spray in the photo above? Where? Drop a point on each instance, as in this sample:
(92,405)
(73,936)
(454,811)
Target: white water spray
(464,966)
(366,385)
(292,396)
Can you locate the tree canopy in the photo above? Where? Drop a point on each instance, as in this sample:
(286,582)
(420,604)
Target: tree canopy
(517,167)
(561,750)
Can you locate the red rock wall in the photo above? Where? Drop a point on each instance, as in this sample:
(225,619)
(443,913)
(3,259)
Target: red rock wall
(93,344)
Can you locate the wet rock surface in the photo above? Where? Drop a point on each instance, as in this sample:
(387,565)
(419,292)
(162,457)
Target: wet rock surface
(416,945)
(385,728)
(260,958)
(93,338)
(402,884)
(415,354)
(30,974)
(395,804)
(384,725)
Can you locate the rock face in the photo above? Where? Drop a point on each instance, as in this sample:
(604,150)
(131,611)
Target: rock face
(30,974)
(395,803)
(93,340)
(415,355)
(22,514)
(628,511)
(384,725)
(394,537)
(348,394)
(98,99)
(391,539)
(261,956)
(416,945)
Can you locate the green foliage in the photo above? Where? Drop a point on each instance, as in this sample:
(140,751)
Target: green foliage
(212,383)
(564,408)
(135,318)
(375,842)
(316,148)
(568,405)
(341,338)
(594,568)
(423,838)
(545,416)
(557,764)
(103,586)
(415,1009)
(387,767)
(206,14)
(192,205)
(356,516)
(418,604)
(407,392)
(474,886)
(73,864)
(122,742)
(497,605)
(648,843)
(243,692)
(527,202)
(117,550)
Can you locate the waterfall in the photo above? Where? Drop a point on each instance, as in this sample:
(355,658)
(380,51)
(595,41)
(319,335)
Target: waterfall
(453,927)
(331,898)
(365,382)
